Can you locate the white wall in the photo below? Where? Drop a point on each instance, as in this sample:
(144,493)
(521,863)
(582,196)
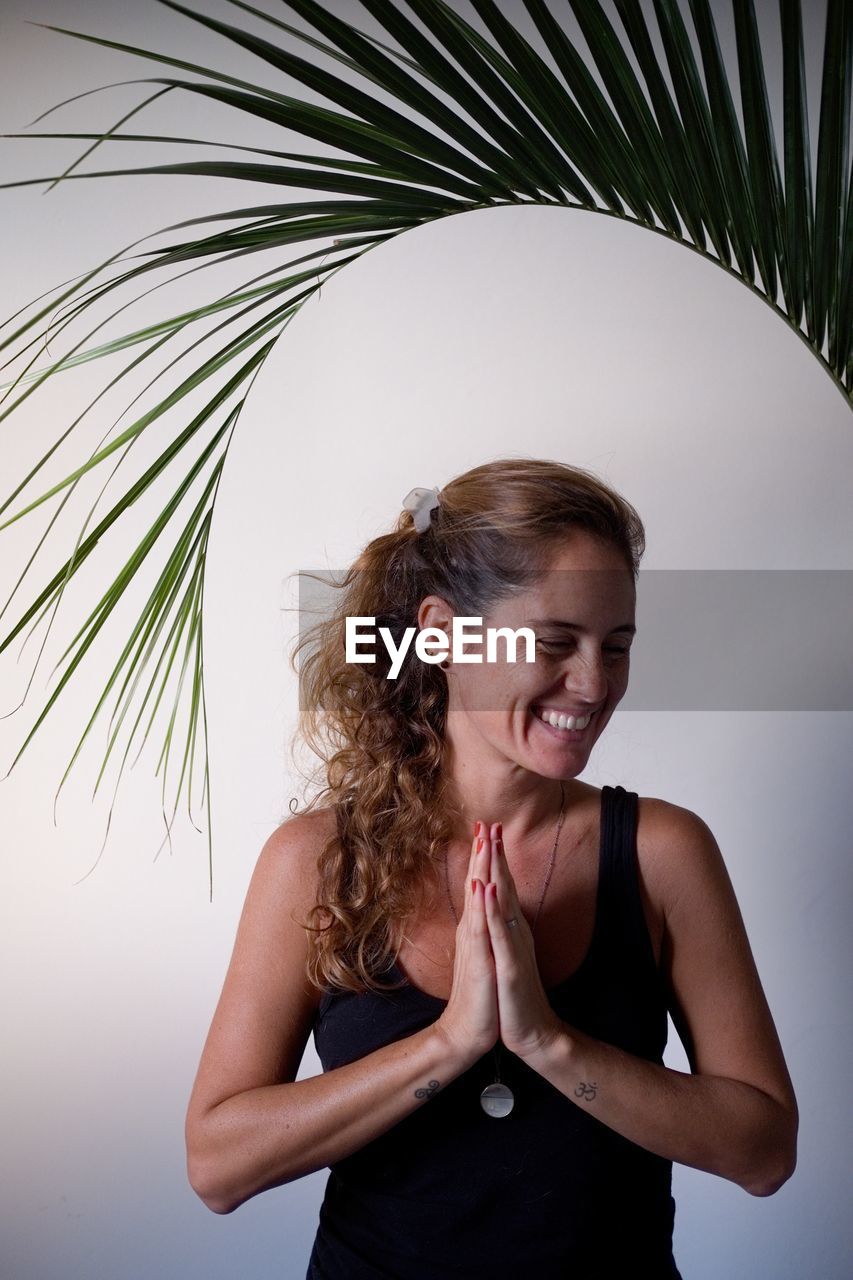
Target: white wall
(511,331)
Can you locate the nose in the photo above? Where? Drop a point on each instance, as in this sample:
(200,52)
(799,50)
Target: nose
(586,679)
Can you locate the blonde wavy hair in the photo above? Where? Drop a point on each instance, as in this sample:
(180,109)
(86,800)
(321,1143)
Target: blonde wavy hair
(382,742)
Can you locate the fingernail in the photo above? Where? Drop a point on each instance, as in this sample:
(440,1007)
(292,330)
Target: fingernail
(480,844)
(473,886)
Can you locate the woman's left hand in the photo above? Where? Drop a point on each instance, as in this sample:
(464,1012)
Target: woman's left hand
(527,1020)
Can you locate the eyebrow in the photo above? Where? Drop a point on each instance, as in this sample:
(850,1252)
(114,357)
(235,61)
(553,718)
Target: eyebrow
(576,626)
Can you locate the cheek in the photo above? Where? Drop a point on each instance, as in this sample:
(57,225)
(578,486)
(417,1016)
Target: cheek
(487,687)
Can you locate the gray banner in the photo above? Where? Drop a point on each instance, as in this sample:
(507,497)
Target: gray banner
(706,640)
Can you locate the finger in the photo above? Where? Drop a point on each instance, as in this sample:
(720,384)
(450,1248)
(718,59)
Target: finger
(473,863)
(498,929)
(478,893)
(483,857)
(502,876)
(473,849)
(478,871)
(496,872)
(493,850)
(481,842)
(482,929)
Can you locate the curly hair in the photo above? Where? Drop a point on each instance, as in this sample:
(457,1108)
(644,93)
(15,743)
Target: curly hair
(382,742)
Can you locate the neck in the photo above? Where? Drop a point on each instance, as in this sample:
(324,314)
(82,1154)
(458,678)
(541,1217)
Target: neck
(526,804)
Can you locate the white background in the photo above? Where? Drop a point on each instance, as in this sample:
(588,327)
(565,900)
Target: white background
(541,332)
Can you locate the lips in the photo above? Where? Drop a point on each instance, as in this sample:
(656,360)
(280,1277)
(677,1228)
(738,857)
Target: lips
(547,709)
(578,713)
(566,735)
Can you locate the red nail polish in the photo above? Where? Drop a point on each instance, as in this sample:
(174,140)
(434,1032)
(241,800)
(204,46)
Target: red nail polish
(480,844)
(473,886)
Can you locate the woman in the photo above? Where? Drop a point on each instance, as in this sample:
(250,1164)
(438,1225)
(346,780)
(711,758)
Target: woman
(485,947)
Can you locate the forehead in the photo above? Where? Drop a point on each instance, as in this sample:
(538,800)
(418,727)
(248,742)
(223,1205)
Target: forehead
(586,575)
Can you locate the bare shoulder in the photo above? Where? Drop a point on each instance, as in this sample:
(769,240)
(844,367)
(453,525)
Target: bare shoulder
(676,850)
(293,848)
(304,829)
(286,871)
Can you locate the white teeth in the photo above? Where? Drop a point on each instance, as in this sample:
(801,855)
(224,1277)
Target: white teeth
(559,720)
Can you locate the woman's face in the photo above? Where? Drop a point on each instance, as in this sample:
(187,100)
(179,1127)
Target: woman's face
(579,669)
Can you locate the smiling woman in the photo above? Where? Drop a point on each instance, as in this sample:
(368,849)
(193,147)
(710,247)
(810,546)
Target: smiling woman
(484,947)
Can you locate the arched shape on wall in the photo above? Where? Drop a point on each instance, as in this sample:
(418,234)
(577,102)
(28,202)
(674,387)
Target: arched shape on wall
(450,118)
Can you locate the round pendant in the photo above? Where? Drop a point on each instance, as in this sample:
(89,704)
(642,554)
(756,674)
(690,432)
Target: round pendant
(497,1100)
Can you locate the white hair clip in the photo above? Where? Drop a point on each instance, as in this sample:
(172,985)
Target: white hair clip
(421,503)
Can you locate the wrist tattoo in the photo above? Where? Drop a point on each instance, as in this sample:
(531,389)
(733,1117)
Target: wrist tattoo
(585,1090)
(432,1087)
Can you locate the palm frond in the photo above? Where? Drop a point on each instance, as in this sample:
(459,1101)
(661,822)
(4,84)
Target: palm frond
(438,117)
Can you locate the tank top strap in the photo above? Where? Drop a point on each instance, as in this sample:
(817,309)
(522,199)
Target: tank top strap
(622,919)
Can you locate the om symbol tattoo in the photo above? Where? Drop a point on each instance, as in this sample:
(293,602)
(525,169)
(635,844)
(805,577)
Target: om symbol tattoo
(432,1088)
(586,1091)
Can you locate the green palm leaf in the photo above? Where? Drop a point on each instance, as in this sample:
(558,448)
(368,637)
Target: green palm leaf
(439,118)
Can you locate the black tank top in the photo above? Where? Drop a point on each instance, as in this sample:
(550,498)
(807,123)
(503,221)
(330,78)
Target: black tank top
(548,1191)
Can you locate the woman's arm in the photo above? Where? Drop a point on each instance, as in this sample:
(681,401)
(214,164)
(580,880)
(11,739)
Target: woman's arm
(246,1131)
(273,1134)
(736,1115)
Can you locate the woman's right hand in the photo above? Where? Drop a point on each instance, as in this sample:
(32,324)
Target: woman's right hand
(470,1020)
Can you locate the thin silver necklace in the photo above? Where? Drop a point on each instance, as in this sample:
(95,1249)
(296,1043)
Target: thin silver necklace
(497,1099)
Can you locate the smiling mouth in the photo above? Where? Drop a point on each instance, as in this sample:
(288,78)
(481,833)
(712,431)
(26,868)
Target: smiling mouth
(561,720)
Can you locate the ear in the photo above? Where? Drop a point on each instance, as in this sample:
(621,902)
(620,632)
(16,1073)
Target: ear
(434,611)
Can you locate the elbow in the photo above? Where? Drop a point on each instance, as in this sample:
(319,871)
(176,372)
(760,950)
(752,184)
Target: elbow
(769,1186)
(216,1206)
(208,1195)
(784,1164)
(207,1187)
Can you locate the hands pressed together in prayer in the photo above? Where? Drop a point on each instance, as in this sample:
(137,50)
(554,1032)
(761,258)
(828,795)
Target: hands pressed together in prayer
(497,991)
(716,1120)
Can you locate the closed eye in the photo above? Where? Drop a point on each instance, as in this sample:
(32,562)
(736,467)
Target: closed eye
(554,646)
